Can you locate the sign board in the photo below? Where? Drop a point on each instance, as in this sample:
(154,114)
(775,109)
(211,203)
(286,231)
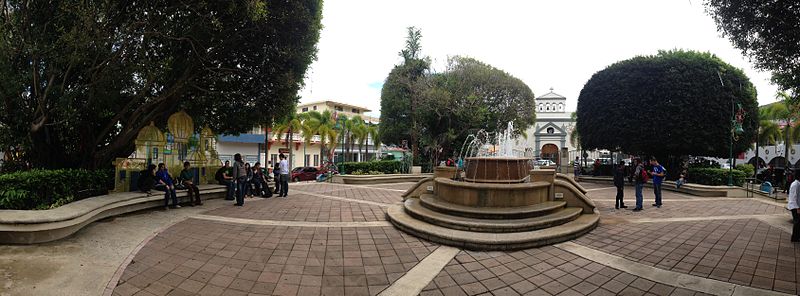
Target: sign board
(170,143)
(283,150)
(559,195)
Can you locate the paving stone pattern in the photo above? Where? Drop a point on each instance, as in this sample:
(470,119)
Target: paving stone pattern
(199,257)
(747,252)
(541,271)
(202,257)
(301,207)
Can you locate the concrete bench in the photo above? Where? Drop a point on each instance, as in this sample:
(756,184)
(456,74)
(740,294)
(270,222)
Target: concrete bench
(378,179)
(39,226)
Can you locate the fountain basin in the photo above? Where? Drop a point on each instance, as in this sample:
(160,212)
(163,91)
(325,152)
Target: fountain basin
(497,169)
(491,195)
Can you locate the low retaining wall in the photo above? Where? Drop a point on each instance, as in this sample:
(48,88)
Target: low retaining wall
(378,179)
(32,226)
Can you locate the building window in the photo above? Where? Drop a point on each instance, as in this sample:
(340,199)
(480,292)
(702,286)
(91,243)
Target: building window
(560,107)
(355,110)
(548,107)
(306,159)
(541,107)
(274,158)
(305,109)
(338,108)
(315,107)
(316,159)
(551,130)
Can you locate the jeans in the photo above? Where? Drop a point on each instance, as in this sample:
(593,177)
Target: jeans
(257,187)
(277,183)
(639,196)
(192,189)
(231,188)
(169,191)
(241,186)
(657,191)
(619,203)
(796,228)
(284,184)
(678,183)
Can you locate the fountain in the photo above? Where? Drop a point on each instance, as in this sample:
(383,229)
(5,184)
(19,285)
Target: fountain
(501,204)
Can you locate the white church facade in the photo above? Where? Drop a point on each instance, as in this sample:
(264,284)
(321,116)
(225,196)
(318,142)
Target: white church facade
(549,137)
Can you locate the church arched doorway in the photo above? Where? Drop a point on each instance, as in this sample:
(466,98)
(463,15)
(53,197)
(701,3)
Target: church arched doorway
(549,151)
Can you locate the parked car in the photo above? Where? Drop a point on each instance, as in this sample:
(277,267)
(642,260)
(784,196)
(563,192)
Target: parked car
(545,162)
(305,173)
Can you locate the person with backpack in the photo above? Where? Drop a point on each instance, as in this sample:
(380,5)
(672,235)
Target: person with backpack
(619,182)
(658,172)
(640,178)
(240,177)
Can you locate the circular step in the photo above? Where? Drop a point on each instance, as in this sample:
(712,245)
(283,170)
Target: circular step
(414,208)
(472,240)
(431,202)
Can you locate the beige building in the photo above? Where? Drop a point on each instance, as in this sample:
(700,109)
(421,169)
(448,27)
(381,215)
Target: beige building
(337,108)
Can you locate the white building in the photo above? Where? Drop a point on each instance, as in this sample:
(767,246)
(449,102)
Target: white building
(549,137)
(251,144)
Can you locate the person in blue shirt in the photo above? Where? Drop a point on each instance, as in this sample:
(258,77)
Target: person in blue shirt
(168,185)
(658,172)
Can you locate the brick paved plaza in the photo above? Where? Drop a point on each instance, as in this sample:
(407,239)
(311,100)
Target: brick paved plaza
(328,239)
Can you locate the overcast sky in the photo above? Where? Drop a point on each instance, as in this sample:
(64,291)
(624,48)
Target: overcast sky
(557,44)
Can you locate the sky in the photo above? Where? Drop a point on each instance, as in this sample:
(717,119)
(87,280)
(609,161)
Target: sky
(558,44)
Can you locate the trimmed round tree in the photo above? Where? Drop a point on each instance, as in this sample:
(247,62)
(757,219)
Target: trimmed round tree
(674,103)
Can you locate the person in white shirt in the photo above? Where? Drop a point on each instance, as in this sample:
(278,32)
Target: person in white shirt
(793,204)
(284,167)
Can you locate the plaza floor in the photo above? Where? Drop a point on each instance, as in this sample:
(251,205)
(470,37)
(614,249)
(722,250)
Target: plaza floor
(330,239)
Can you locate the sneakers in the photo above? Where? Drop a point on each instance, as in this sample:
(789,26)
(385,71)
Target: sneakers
(624,207)
(637,209)
(657,205)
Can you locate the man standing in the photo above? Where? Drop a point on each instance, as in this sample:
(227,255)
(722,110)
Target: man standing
(619,182)
(576,167)
(284,169)
(640,177)
(793,205)
(658,174)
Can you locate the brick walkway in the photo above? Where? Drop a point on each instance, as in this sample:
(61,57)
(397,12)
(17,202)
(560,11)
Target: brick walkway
(203,257)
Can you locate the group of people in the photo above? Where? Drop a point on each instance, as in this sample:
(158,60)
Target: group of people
(159,178)
(640,177)
(246,181)
(243,181)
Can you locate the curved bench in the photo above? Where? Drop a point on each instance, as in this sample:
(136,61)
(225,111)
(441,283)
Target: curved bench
(39,226)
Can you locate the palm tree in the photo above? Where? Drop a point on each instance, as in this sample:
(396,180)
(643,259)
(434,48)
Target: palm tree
(360,135)
(289,125)
(341,126)
(374,133)
(786,114)
(322,124)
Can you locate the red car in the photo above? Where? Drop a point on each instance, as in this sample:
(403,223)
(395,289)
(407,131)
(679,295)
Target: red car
(305,174)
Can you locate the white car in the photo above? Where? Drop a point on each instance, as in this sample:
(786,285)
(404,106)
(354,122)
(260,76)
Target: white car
(545,162)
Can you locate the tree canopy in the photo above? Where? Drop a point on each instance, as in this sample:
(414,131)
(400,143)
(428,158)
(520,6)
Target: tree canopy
(673,103)
(80,79)
(766,31)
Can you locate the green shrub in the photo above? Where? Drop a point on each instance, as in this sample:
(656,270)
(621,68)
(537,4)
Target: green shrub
(382,166)
(44,189)
(747,168)
(715,176)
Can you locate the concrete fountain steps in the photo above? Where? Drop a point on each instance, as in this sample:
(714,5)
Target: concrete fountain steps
(431,202)
(474,240)
(562,216)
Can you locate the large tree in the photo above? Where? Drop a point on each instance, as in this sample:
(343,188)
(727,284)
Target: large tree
(80,79)
(401,93)
(471,95)
(766,31)
(673,103)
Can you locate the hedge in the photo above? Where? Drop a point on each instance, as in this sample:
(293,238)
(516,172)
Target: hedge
(714,176)
(383,166)
(45,189)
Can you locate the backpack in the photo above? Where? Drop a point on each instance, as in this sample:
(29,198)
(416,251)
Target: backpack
(644,176)
(218,174)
